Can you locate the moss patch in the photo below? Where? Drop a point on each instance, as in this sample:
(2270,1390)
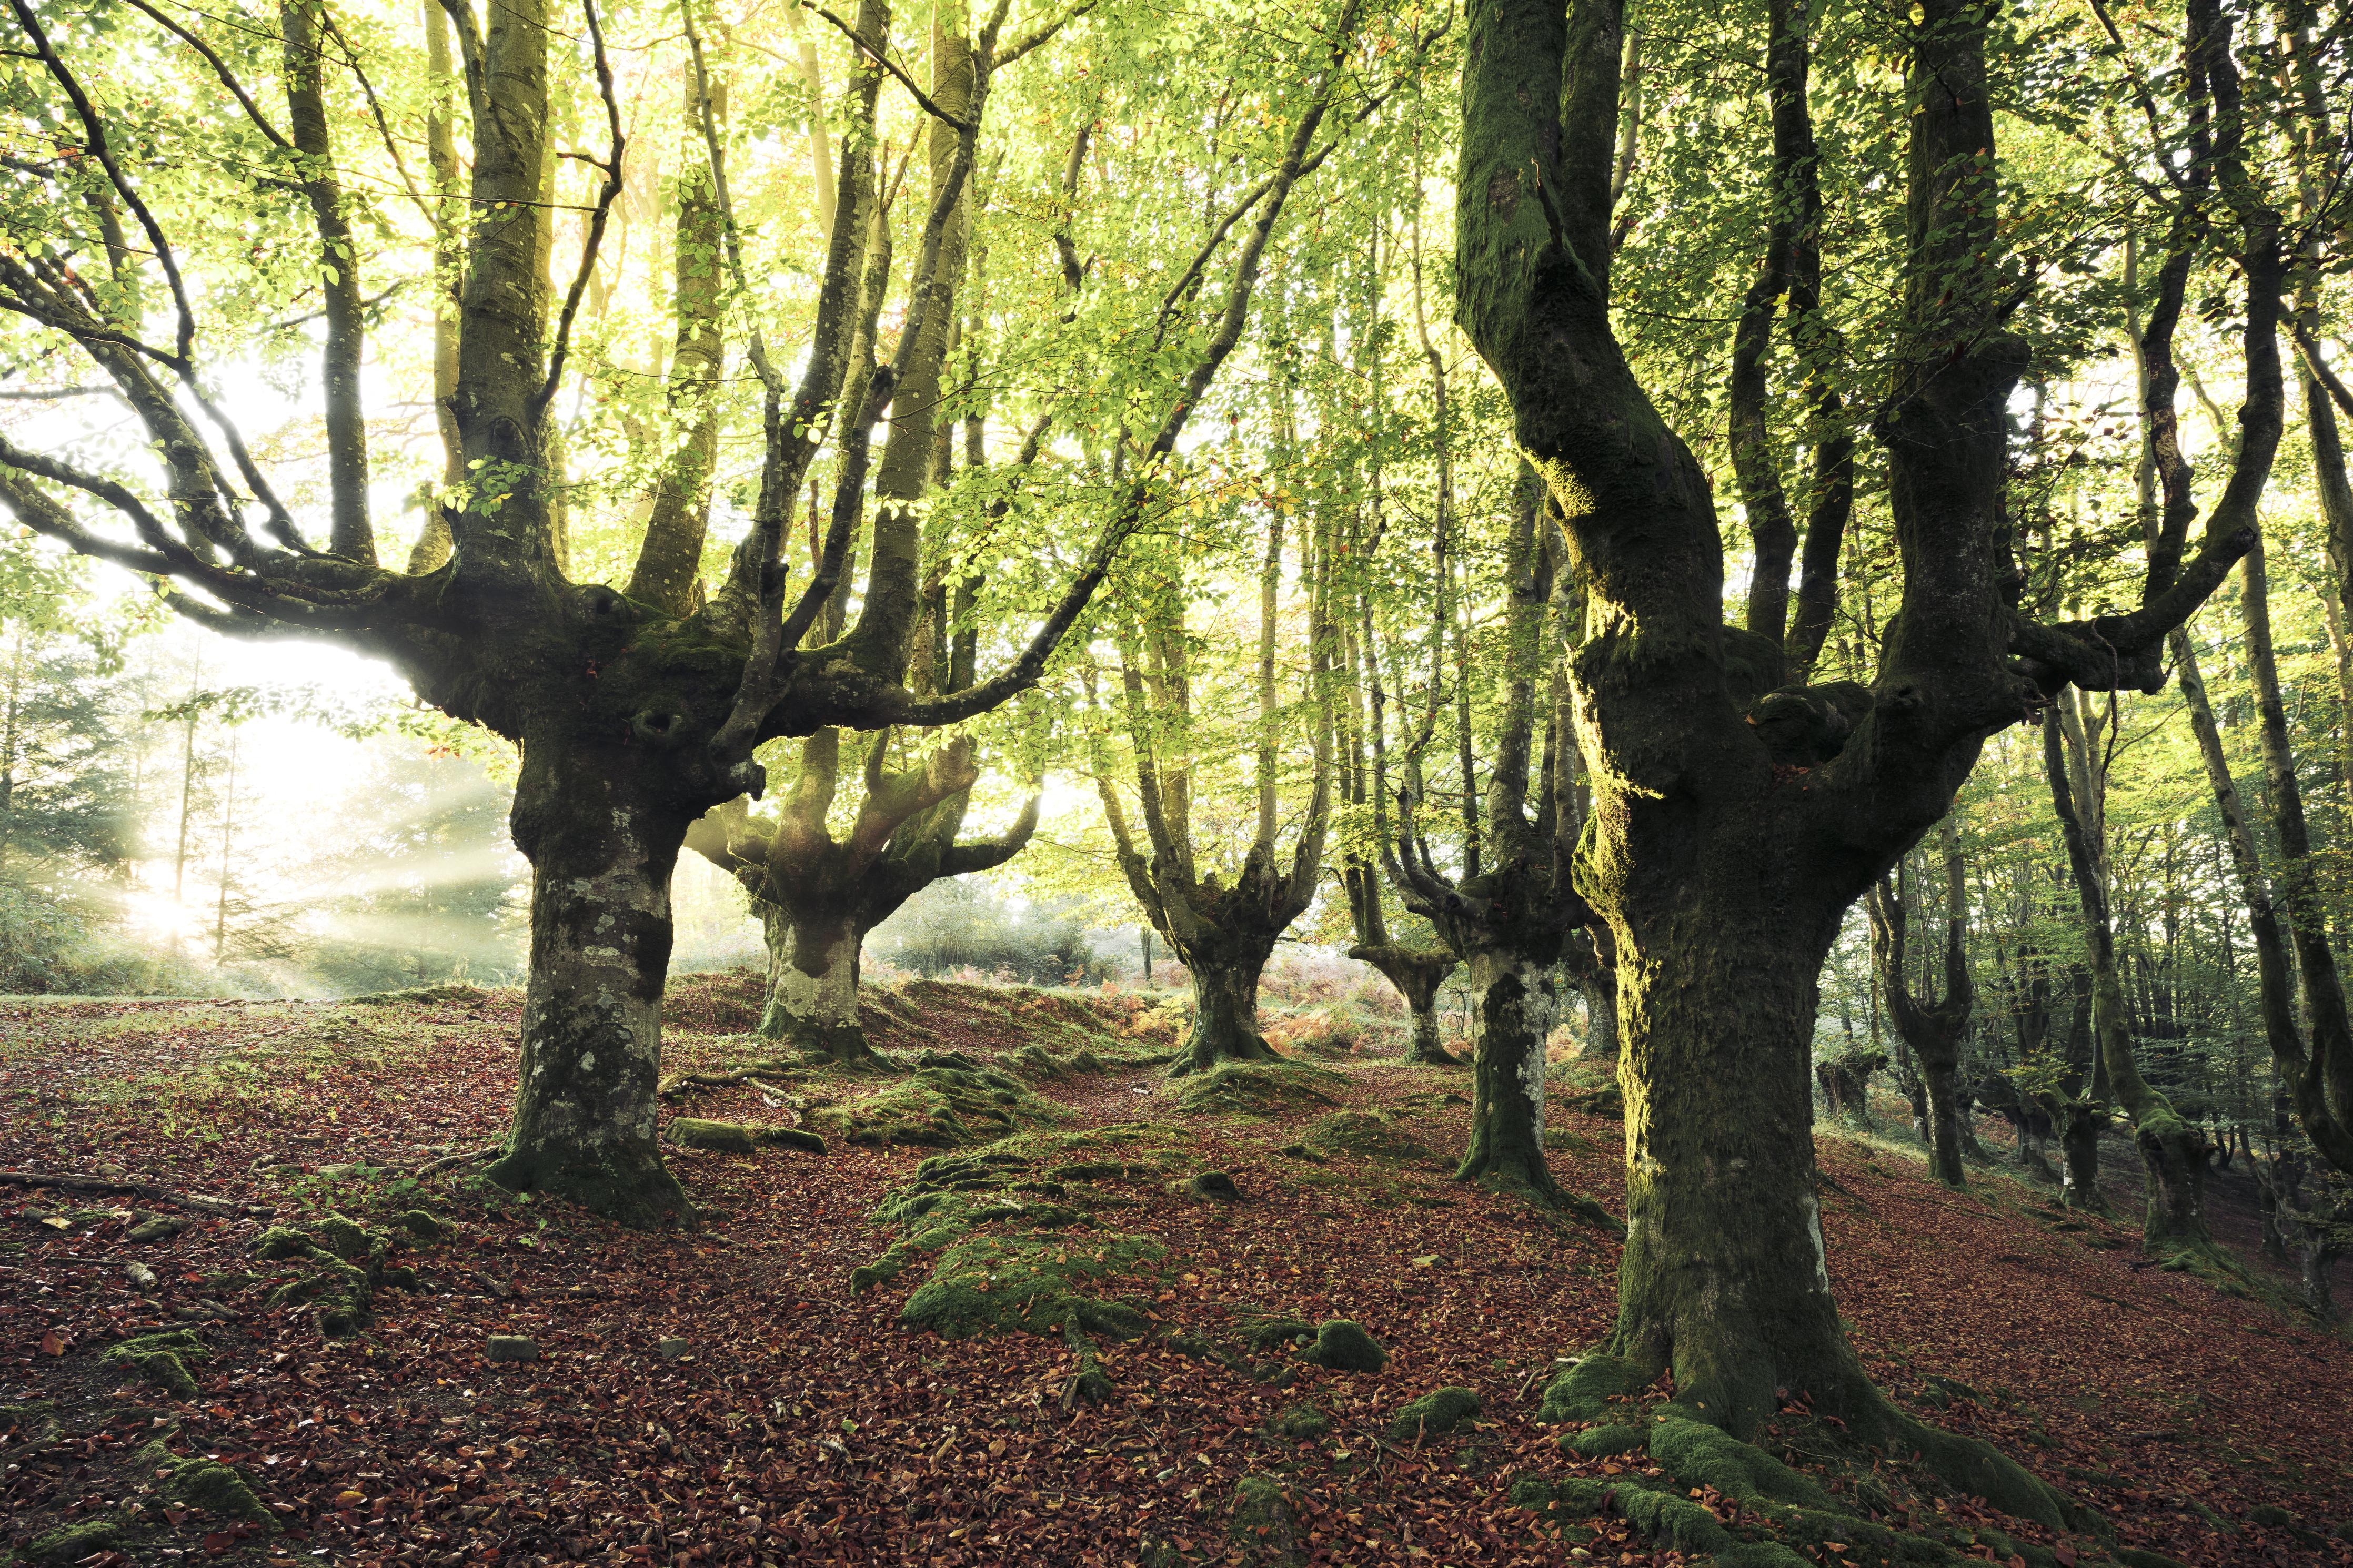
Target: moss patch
(1033,1284)
(1258,1089)
(162,1359)
(1583,1393)
(75,1542)
(1702,1456)
(940,1107)
(1374,1134)
(209,1484)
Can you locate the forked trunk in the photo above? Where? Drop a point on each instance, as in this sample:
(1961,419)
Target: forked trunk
(2173,1159)
(1513,1015)
(1225,1012)
(812,1004)
(600,939)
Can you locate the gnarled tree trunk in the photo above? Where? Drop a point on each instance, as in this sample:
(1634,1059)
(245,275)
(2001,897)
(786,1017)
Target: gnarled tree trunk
(1515,1010)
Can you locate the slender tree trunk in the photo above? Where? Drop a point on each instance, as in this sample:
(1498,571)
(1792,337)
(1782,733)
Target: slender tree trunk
(1514,1010)
(600,937)
(2079,1151)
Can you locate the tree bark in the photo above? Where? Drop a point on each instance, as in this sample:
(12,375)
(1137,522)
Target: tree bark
(813,971)
(1418,975)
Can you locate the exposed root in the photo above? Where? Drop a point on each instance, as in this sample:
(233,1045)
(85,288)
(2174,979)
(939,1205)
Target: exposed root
(78,1182)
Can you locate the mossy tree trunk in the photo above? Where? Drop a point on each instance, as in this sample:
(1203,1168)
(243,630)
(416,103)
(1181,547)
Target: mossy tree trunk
(1225,1007)
(1515,1003)
(1419,976)
(600,938)
(1733,820)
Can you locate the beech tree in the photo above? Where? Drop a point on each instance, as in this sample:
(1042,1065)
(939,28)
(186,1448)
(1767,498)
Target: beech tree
(632,717)
(1736,817)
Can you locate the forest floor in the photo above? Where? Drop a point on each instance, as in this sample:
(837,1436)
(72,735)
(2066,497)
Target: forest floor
(731,1394)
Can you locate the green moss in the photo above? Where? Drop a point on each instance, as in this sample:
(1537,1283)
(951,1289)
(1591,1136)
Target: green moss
(158,1358)
(1033,1284)
(1600,1442)
(1374,1134)
(1300,1423)
(940,1107)
(1258,1089)
(2134,1557)
(1439,1411)
(1280,1333)
(1560,1501)
(719,1137)
(1343,1346)
(1980,1470)
(75,1542)
(346,1238)
(1671,1520)
(1263,1523)
(1583,1393)
(1702,1456)
(422,1226)
(1815,1528)
(209,1484)
(1760,1554)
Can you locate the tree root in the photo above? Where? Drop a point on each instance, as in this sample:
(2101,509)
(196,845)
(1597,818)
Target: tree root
(76,1181)
(447,1160)
(675,1084)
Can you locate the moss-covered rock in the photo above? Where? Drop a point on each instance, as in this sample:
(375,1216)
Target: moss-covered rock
(1439,1411)
(1760,1554)
(1701,1455)
(208,1484)
(153,1227)
(422,1226)
(1562,1501)
(1258,1089)
(162,1359)
(1301,1152)
(345,1238)
(1343,1346)
(1280,1334)
(1370,1133)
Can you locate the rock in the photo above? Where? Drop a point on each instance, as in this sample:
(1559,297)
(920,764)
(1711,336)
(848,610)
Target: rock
(674,1349)
(1301,1152)
(794,1138)
(511,1347)
(2270,1514)
(722,1137)
(1343,1346)
(155,1228)
(281,1241)
(1439,1411)
(158,1358)
(1215,1184)
(141,1277)
(422,1226)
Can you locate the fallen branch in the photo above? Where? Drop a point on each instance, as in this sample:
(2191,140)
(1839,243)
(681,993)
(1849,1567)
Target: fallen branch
(75,1182)
(677,1082)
